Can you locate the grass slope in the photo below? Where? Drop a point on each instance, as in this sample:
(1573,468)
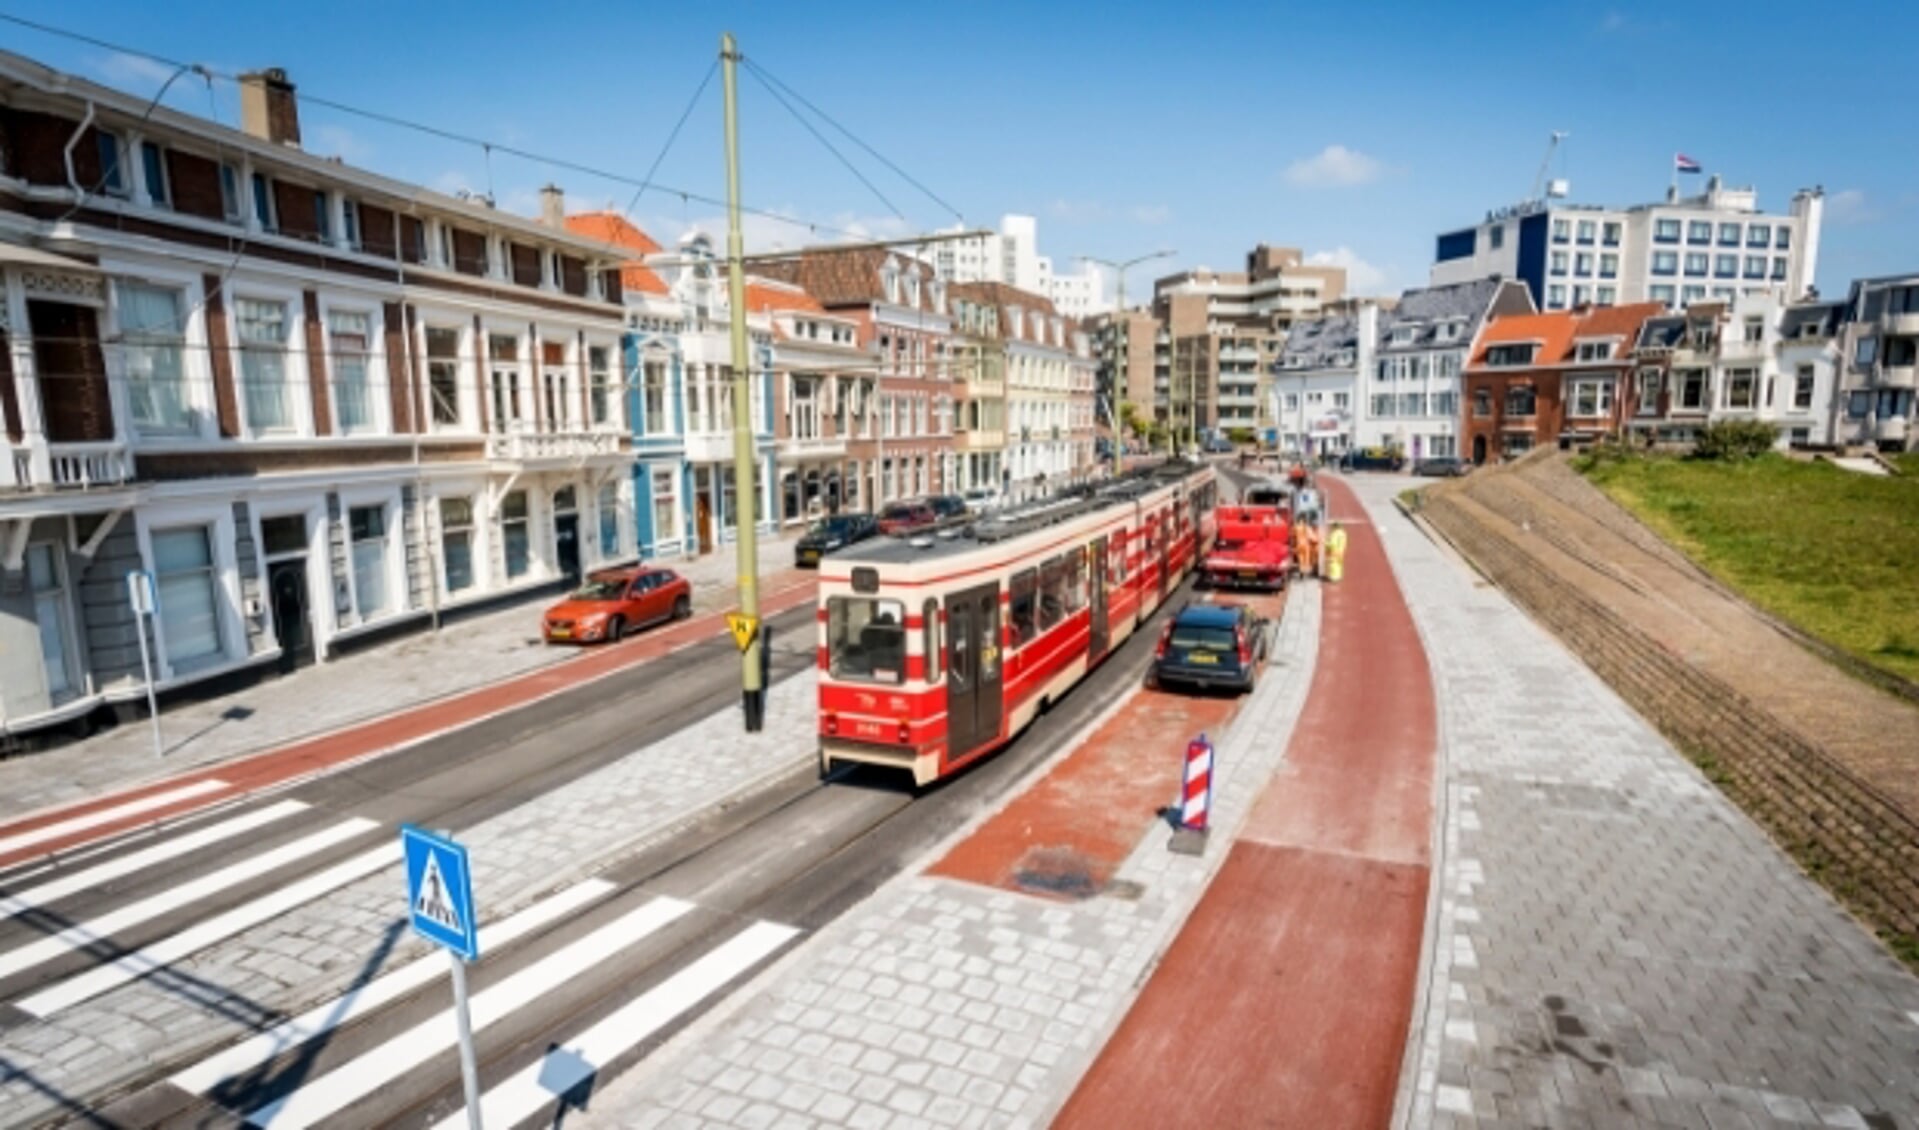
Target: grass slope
(1833,552)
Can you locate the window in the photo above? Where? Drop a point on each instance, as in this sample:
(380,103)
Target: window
(1728,235)
(599,384)
(350,223)
(367,527)
(515,535)
(1555,296)
(230,204)
(1588,351)
(1782,237)
(1802,388)
(1699,231)
(1606,295)
(1858,404)
(653,380)
(1779,269)
(1894,403)
(866,639)
(322,216)
(1382,405)
(1725,266)
(1587,230)
(446,247)
(1024,606)
(188,605)
(1509,355)
(1690,294)
(456,542)
(1648,392)
(664,526)
(1562,230)
(1609,266)
(1698,263)
(1661,293)
(1445,403)
(1759,235)
(1755,266)
(1496,236)
(443,373)
(263,202)
(1559,263)
(1755,330)
(349,342)
(153,164)
(1610,234)
(262,328)
(49,592)
(113,173)
(1582,295)
(1665,262)
(1591,399)
(153,352)
(1666,231)
(1692,388)
(1412,404)
(1519,400)
(1866,351)
(609,510)
(930,639)
(1342,400)
(1740,388)
(504,352)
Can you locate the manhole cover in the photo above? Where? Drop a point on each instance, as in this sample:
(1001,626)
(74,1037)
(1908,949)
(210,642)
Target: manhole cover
(1060,872)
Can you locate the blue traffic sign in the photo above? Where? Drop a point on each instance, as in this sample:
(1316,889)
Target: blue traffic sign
(439,891)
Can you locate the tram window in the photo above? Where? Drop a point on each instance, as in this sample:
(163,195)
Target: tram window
(866,639)
(1052,592)
(1025,590)
(931,640)
(1075,580)
(1116,557)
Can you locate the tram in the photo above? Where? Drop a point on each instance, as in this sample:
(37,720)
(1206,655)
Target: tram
(935,650)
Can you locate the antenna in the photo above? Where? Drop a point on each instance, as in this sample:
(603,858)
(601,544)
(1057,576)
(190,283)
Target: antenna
(1539,182)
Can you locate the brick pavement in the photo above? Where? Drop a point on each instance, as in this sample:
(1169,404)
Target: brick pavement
(259,976)
(404,672)
(937,1002)
(1615,944)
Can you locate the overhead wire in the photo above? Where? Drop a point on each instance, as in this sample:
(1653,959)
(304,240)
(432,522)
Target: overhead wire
(830,147)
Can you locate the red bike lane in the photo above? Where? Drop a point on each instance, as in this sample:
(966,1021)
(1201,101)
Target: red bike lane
(1288,994)
(77,825)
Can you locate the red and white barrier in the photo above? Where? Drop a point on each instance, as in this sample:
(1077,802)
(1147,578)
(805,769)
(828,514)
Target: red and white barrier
(1196,799)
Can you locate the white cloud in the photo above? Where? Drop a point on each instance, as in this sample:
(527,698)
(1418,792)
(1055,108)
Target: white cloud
(1361,277)
(1333,167)
(1851,206)
(134,72)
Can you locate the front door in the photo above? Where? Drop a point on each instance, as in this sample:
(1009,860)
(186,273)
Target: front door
(566,544)
(972,670)
(287,582)
(1479,451)
(1102,636)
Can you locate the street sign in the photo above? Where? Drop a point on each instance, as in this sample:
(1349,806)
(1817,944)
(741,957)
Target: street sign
(140,596)
(439,891)
(743,627)
(140,591)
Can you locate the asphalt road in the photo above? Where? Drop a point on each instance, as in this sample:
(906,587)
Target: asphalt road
(652,941)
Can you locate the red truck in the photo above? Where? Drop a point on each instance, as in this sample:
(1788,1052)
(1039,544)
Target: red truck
(1252,549)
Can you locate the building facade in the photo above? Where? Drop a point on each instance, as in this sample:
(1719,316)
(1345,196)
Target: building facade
(1714,246)
(1318,378)
(1411,398)
(1879,365)
(1011,256)
(1536,380)
(979,366)
(312,403)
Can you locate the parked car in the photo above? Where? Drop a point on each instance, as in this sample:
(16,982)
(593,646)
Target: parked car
(613,602)
(983,500)
(1442,467)
(829,534)
(947,507)
(1211,645)
(1373,459)
(907,517)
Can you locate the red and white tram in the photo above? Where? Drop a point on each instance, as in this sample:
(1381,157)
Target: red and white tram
(934,651)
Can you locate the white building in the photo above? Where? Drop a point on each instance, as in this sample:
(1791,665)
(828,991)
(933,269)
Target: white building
(1683,249)
(1316,384)
(1011,256)
(1411,400)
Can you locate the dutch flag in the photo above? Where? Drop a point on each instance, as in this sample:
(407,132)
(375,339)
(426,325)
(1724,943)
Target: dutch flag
(1684,164)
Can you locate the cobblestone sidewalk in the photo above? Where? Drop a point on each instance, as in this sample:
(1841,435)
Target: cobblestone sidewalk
(1616,944)
(413,669)
(941,1003)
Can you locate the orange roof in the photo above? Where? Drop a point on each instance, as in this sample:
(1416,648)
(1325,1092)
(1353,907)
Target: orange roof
(764,296)
(618,233)
(1557,330)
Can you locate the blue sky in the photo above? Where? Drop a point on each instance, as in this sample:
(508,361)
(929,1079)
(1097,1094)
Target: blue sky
(1354,131)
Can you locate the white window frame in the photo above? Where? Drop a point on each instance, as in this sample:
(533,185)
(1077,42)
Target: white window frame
(465,406)
(378,380)
(218,518)
(615,385)
(480,544)
(521,368)
(298,375)
(393,563)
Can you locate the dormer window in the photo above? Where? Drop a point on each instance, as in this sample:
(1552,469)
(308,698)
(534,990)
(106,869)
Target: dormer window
(1520,353)
(890,282)
(1403,335)
(1593,351)
(939,296)
(913,289)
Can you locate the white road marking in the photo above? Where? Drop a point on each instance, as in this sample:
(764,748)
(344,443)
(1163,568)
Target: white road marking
(14,905)
(170,949)
(84,934)
(378,1066)
(19,840)
(216,1069)
(537,1086)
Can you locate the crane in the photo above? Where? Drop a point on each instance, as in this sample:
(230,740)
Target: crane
(1539,182)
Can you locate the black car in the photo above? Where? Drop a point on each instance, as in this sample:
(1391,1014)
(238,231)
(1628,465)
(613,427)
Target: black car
(947,507)
(1372,460)
(1211,645)
(1442,467)
(829,534)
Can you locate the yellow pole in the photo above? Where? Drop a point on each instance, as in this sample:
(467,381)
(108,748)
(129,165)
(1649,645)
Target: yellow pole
(745,493)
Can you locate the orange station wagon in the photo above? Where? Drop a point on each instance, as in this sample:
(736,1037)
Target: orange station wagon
(614,602)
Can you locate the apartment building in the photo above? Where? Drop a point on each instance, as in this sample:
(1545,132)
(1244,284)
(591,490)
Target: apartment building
(1551,377)
(978,353)
(825,429)
(312,403)
(1879,368)
(905,326)
(1049,378)
(1411,398)
(1318,378)
(1714,246)
(1011,256)
(1124,343)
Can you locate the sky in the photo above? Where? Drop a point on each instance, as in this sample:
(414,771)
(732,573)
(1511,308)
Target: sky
(1356,131)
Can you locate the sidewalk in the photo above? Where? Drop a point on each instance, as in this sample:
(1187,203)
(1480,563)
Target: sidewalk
(1615,943)
(417,668)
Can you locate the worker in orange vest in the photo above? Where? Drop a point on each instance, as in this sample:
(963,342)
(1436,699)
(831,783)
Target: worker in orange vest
(1306,548)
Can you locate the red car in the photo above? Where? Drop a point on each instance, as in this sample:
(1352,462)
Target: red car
(614,602)
(907,517)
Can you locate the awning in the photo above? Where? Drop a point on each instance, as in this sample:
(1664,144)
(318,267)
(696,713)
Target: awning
(25,256)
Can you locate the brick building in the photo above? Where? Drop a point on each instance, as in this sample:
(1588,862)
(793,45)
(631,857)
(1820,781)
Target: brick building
(1539,379)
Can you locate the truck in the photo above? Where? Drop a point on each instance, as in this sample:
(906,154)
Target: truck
(1253,548)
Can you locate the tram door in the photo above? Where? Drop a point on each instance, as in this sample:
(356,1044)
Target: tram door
(972,669)
(1102,636)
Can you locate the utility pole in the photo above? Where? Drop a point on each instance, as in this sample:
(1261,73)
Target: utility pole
(745,493)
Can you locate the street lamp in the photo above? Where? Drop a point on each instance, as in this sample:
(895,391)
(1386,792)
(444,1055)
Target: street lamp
(1119,273)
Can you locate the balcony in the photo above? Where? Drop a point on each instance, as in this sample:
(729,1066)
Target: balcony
(1891,429)
(1899,376)
(816,447)
(67,467)
(529,448)
(1900,324)
(980,439)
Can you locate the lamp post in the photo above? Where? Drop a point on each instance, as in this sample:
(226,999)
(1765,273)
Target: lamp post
(1119,302)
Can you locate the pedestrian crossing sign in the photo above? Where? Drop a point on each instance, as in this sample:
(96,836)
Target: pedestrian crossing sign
(439,891)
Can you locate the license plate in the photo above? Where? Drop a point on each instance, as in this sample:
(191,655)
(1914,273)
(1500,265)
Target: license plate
(1249,574)
(1205,657)
(560,633)
(811,554)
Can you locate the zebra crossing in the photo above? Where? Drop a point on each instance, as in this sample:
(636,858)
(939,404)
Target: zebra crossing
(572,985)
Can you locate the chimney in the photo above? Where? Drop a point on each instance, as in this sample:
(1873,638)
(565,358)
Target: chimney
(268,109)
(553,206)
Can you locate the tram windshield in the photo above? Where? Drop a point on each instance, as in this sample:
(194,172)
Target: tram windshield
(866,639)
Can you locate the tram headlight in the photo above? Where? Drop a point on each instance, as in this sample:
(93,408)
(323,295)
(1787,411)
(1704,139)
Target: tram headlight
(906,733)
(831,722)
